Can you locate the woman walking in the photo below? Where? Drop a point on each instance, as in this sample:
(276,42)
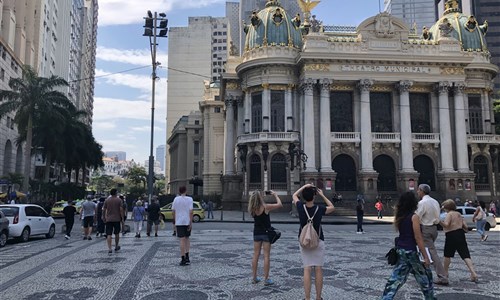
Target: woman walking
(260,213)
(407,223)
(312,258)
(138,215)
(455,228)
(379,207)
(480,218)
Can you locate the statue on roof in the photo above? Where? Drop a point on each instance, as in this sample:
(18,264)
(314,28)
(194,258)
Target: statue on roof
(233,50)
(254,19)
(316,24)
(307,6)
(426,34)
(445,28)
(296,21)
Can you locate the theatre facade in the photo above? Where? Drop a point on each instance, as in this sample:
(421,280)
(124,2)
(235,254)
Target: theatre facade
(376,109)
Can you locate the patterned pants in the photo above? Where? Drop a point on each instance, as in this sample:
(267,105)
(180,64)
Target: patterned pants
(409,263)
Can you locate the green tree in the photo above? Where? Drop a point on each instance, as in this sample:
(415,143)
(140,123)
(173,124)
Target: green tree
(30,97)
(137,176)
(102,183)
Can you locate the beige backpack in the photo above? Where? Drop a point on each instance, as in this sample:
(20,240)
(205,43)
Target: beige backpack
(309,238)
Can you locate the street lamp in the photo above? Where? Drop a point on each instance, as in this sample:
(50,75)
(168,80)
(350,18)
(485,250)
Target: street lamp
(153,23)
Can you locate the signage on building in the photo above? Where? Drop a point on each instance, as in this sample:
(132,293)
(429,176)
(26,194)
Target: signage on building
(385,69)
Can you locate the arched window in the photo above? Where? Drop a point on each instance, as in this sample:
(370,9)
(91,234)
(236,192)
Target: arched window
(7,159)
(425,167)
(482,180)
(386,169)
(346,173)
(278,172)
(255,176)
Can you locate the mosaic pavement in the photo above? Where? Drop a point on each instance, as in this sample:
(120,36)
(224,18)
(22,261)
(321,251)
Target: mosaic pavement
(147,269)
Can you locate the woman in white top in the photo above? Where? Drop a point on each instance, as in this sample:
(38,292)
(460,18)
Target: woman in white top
(480,219)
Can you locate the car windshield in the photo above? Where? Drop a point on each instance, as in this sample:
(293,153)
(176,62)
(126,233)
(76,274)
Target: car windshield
(10,211)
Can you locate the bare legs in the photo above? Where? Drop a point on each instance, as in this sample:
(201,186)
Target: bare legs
(185,245)
(255,259)
(318,281)
(468,263)
(267,258)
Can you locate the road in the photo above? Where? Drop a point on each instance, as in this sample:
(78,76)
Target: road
(147,268)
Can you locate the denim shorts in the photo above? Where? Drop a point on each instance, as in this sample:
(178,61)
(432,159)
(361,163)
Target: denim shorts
(260,238)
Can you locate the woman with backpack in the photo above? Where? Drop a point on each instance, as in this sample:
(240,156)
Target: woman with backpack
(260,213)
(480,218)
(138,214)
(312,246)
(407,223)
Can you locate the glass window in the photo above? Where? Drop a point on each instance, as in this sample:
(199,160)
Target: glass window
(195,168)
(420,113)
(278,111)
(341,112)
(257,112)
(216,109)
(255,169)
(381,112)
(196,148)
(475,114)
(278,172)
(481,170)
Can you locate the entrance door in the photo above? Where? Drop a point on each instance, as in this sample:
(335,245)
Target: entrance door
(346,173)
(386,169)
(424,165)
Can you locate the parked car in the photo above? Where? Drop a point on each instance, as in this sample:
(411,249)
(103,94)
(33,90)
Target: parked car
(468,212)
(27,220)
(57,209)
(198,212)
(4,229)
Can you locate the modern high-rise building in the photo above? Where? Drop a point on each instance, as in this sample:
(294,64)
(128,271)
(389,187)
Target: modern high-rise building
(419,12)
(160,156)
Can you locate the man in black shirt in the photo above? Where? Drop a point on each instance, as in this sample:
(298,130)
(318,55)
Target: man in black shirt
(153,216)
(69,218)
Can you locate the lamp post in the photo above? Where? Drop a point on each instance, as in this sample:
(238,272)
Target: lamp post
(153,23)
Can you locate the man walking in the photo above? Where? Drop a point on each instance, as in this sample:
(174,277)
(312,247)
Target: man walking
(69,213)
(182,210)
(428,210)
(153,216)
(88,211)
(210,206)
(112,216)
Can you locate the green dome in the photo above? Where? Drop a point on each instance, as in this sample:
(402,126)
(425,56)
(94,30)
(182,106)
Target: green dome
(465,29)
(273,27)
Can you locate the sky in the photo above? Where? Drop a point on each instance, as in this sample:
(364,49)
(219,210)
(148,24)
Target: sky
(123,86)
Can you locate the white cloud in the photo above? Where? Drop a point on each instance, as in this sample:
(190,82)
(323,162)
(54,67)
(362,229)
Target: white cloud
(110,108)
(120,12)
(146,129)
(103,125)
(140,57)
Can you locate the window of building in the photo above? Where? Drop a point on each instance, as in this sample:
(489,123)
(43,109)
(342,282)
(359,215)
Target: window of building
(215,48)
(381,112)
(278,172)
(481,169)
(216,109)
(420,113)
(214,56)
(224,26)
(278,111)
(224,48)
(2,74)
(195,168)
(196,148)
(224,33)
(475,114)
(255,170)
(4,55)
(196,131)
(257,112)
(196,122)
(341,112)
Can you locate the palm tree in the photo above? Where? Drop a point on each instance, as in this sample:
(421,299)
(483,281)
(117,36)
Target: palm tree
(29,97)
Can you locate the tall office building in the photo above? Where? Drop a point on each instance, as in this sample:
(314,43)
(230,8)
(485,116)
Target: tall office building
(160,156)
(419,12)
(196,53)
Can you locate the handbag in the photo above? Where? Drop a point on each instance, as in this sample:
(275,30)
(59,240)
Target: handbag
(273,234)
(392,256)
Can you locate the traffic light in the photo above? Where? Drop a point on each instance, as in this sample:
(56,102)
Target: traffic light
(163,28)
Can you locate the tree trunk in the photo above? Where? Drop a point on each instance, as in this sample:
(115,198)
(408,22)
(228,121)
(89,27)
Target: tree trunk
(27,156)
(46,173)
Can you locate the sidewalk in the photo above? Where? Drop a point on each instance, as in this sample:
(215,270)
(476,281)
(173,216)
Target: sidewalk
(287,218)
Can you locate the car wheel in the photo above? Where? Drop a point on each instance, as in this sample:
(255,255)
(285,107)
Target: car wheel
(487,227)
(3,238)
(52,232)
(25,235)
(196,218)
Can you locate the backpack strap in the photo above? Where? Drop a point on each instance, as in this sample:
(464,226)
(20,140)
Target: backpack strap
(309,219)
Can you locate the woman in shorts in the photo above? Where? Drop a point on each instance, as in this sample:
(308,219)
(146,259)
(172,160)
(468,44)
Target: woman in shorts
(260,213)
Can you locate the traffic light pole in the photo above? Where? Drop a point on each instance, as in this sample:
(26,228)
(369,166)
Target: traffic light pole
(153,83)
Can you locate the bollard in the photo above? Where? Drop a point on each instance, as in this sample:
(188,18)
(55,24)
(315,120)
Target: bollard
(221,214)
(243,215)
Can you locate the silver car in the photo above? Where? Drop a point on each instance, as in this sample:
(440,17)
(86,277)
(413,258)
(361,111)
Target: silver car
(468,212)
(26,220)
(4,229)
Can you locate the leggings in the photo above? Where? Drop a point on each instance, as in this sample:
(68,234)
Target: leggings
(137,226)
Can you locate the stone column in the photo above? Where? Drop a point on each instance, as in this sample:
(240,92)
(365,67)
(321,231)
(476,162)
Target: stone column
(460,129)
(229,149)
(364,86)
(325,132)
(405,116)
(445,127)
(289,108)
(266,108)
(308,141)
(248,110)
(241,122)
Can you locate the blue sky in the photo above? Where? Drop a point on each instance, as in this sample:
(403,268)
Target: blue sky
(122,101)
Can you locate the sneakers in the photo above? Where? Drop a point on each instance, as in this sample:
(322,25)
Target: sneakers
(359,232)
(139,235)
(256,280)
(484,238)
(174,234)
(268,282)
(117,248)
(148,234)
(188,262)
(84,238)
(110,252)
(98,234)
(89,238)
(183,262)
(66,237)
(441,281)
(156,235)
(136,235)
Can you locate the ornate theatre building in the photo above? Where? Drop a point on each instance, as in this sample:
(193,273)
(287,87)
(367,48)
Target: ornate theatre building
(375,109)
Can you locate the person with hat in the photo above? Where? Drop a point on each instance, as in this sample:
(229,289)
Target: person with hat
(138,215)
(428,211)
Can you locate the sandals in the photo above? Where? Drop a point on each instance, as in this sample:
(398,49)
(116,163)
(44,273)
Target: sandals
(256,280)
(474,279)
(268,282)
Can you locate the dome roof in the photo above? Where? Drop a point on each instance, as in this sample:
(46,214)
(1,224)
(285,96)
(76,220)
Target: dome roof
(465,29)
(273,27)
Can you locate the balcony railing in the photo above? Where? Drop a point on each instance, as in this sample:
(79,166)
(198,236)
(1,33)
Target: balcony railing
(386,137)
(346,137)
(482,186)
(254,186)
(483,139)
(268,137)
(279,186)
(425,138)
